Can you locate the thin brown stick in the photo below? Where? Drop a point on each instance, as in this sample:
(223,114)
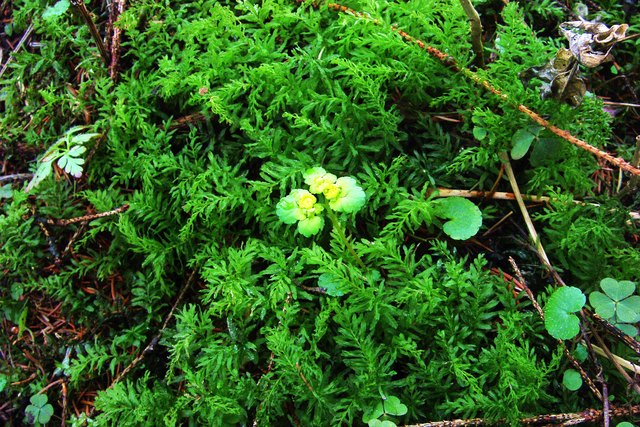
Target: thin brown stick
(502,195)
(117,7)
(586,416)
(63,222)
(451,63)
(86,15)
(23,39)
(523,209)
(16,176)
(476,31)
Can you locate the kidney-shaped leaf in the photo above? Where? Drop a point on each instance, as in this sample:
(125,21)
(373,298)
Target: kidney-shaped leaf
(559,319)
(464,217)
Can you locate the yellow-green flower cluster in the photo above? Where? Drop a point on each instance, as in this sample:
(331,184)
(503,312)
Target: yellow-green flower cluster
(301,206)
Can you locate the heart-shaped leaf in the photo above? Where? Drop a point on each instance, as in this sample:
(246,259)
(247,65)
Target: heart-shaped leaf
(393,406)
(617,290)
(628,310)
(559,319)
(602,304)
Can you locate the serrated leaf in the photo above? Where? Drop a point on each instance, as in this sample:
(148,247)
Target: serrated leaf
(71,165)
(44,170)
(559,319)
(521,141)
(602,304)
(56,10)
(628,309)
(617,290)
(572,379)
(465,218)
(83,137)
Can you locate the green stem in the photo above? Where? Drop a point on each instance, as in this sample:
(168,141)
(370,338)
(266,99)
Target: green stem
(338,227)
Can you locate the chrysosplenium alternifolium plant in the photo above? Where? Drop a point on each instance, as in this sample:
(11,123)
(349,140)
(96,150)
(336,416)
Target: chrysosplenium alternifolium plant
(302,206)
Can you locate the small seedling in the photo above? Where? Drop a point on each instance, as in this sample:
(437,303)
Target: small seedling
(559,319)
(337,195)
(617,304)
(67,151)
(389,406)
(39,412)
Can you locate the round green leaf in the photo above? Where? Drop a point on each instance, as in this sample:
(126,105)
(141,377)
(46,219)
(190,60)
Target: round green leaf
(479,133)
(558,318)
(628,309)
(625,424)
(617,290)
(572,379)
(521,141)
(464,217)
(602,304)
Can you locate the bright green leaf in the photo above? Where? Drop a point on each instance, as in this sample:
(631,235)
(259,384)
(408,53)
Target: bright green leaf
(617,290)
(580,353)
(572,379)
(3,382)
(393,406)
(602,304)
(479,133)
(465,218)
(521,142)
(627,329)
(372,414)
(58,9)
(558,318)
(627,310)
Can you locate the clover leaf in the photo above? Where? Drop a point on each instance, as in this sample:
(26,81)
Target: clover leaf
(559,319)
(464,217)
(617,303)
(39,412)
(388,406)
